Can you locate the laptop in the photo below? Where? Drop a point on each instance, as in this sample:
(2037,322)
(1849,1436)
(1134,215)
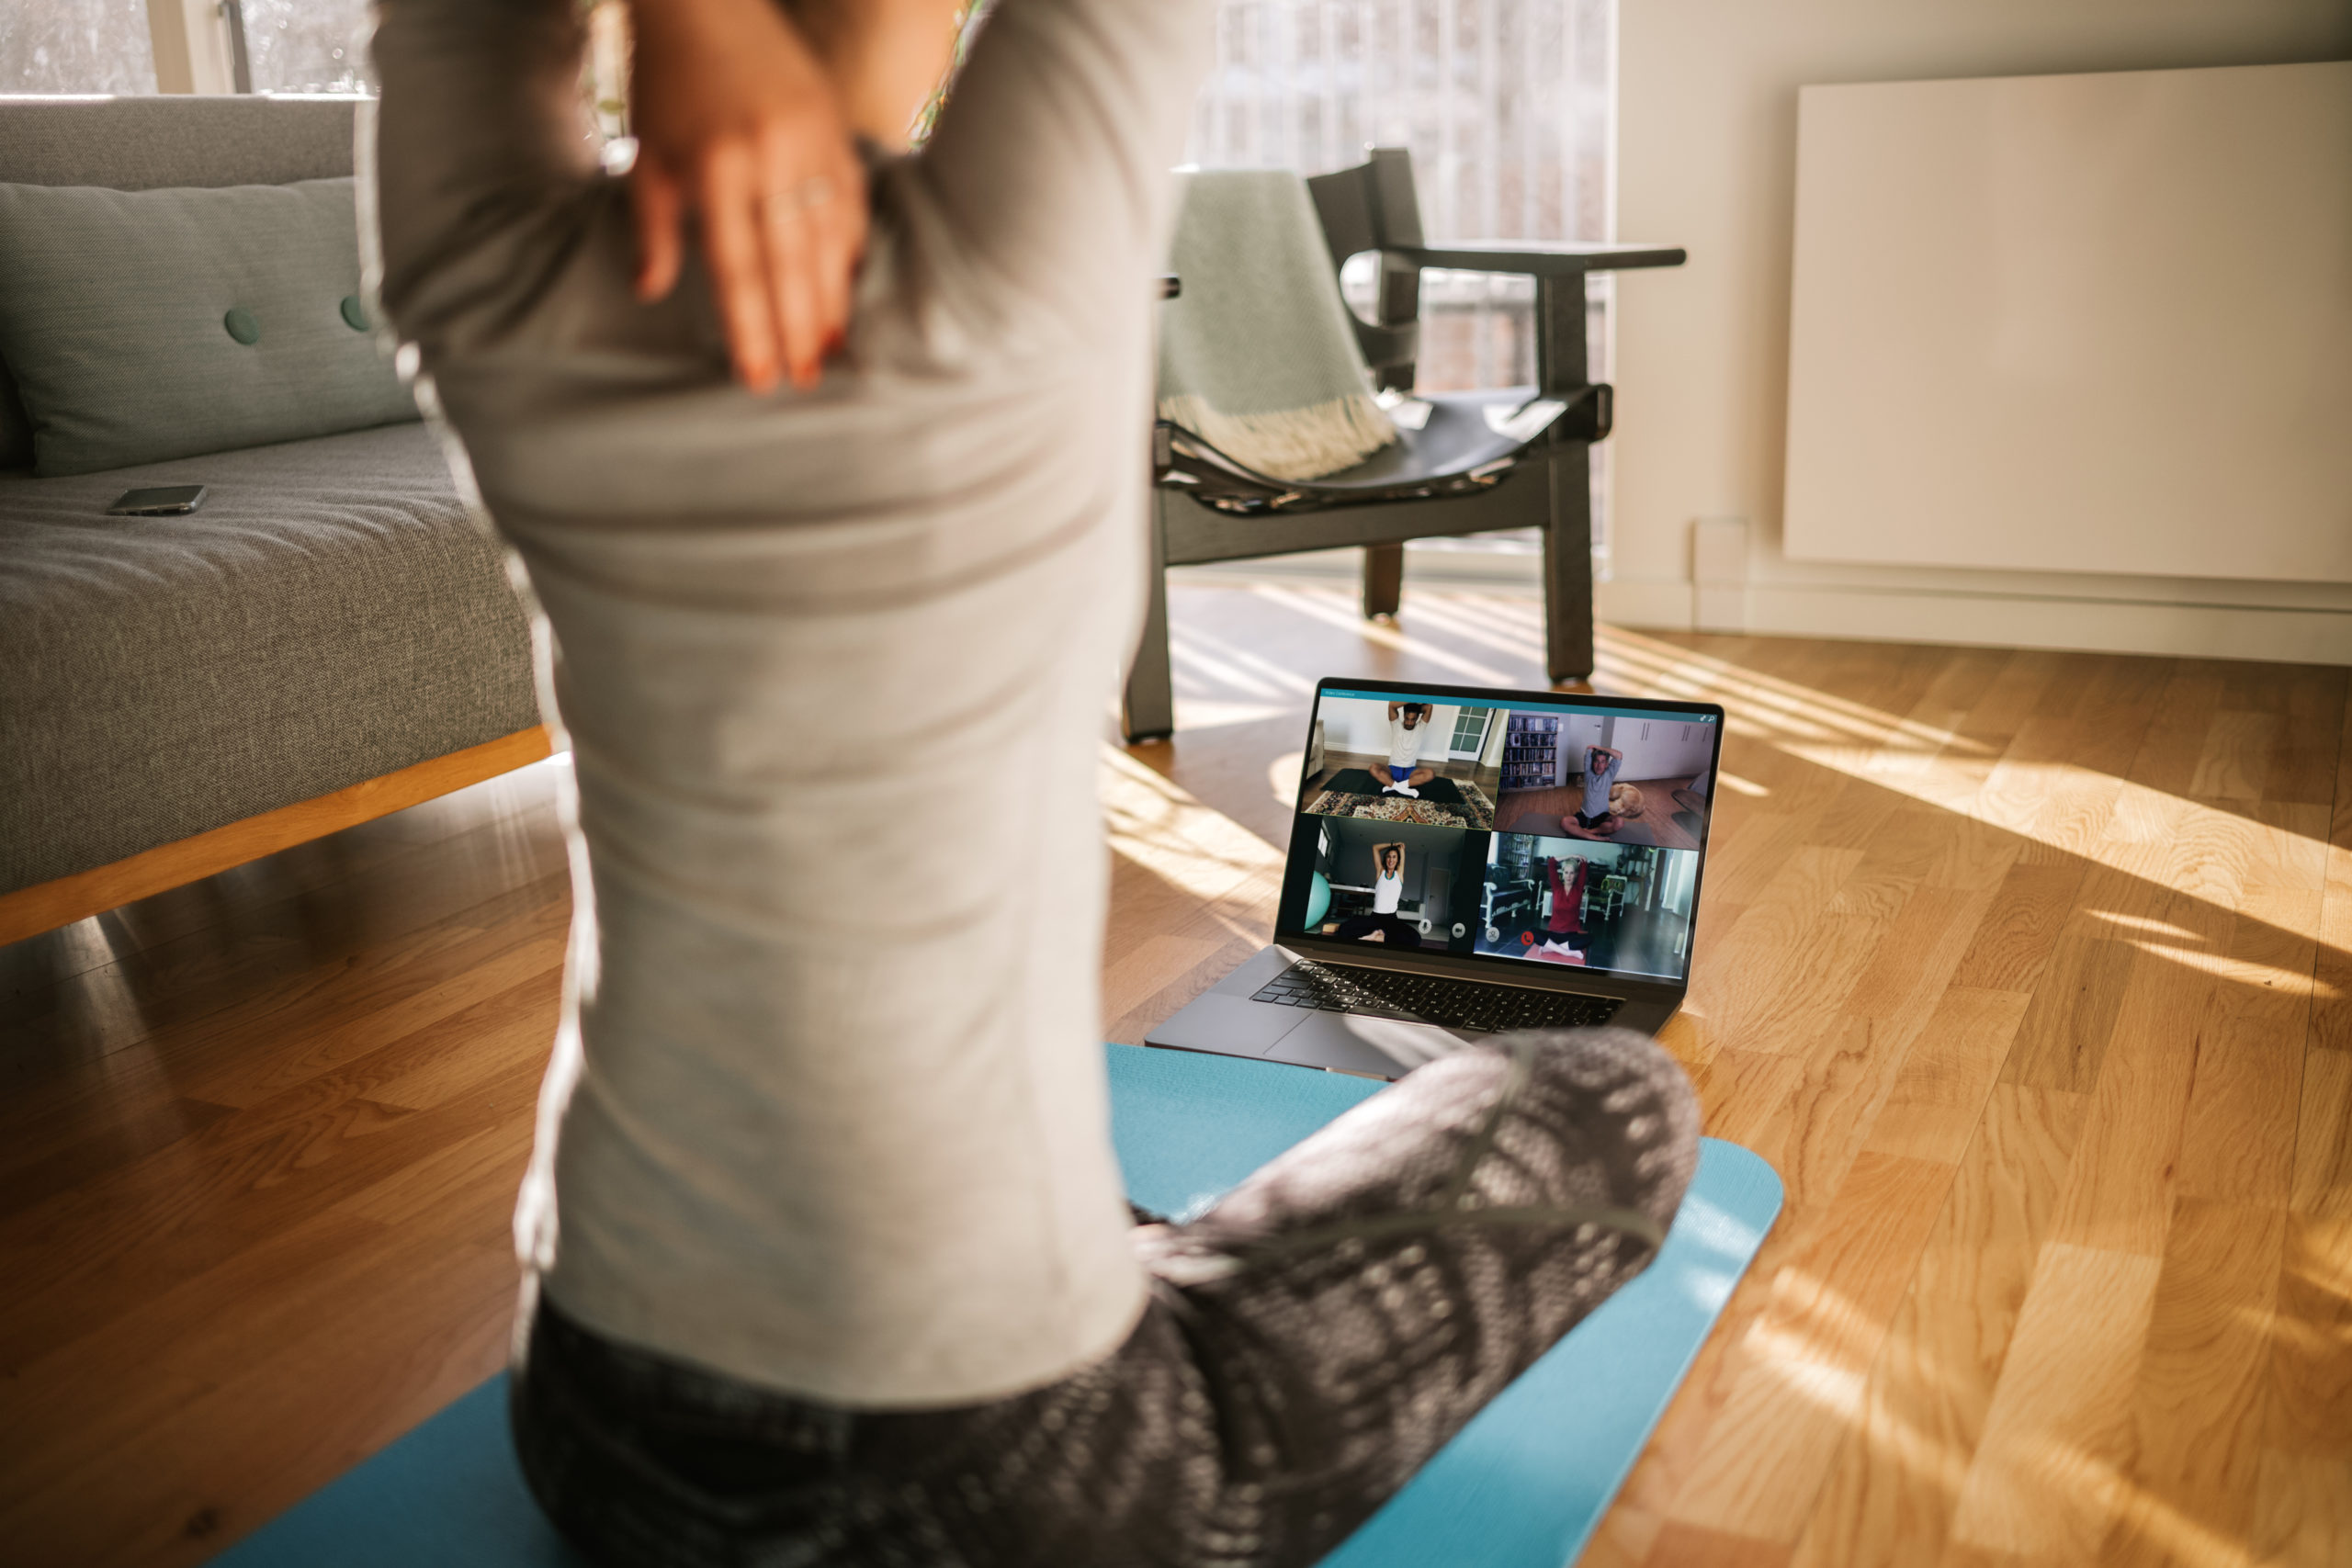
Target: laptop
(1466,860)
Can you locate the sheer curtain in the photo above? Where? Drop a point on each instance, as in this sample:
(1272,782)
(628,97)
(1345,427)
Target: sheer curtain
(308,46)
(75,46)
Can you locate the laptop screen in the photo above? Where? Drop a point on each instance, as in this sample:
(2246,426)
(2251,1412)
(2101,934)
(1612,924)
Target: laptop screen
(1544,828)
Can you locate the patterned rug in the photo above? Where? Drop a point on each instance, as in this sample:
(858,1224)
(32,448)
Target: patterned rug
(1472,810)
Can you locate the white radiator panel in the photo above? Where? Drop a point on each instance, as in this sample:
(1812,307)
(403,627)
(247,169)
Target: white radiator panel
(2095,324)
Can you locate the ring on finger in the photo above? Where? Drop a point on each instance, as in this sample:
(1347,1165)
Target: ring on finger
(814,191)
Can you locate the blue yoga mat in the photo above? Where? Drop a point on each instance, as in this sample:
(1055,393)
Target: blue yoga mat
(1522,1486)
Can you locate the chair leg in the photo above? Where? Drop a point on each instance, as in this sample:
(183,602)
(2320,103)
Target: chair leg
(1148,709)
(1384,579)
(1567,565)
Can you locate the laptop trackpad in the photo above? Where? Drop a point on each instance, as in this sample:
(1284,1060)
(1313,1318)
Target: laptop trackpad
(1235,1025)
(1387,1047)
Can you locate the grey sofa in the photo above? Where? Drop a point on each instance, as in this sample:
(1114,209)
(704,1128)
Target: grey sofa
(329,616)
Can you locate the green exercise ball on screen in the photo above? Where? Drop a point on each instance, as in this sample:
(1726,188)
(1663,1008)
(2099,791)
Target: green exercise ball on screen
(1318,901)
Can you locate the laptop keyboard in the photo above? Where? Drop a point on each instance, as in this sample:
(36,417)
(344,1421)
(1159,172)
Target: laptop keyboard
(1434,998)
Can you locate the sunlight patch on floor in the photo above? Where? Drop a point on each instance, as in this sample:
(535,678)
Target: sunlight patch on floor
(1766,706)
(2205,850)
(1339,610)
(1235,663)
(1283,776)
(1162,826)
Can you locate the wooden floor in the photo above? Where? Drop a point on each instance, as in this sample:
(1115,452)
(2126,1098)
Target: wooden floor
(2029,971)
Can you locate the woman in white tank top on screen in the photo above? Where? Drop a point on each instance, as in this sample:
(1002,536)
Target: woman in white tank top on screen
(1388,877)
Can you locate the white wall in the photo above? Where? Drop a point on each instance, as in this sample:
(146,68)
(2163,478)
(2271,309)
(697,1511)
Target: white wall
(2053,322)
(1360,725)
(1669,751)
(1707,94)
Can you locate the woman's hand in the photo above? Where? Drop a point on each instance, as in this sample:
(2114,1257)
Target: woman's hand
(735,116)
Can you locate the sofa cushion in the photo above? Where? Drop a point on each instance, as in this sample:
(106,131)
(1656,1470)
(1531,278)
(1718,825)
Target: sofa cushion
(330,615)
(147,325)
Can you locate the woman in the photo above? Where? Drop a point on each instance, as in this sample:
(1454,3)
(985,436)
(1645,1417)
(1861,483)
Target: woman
(1384,924)
(1565,928)
(1388,877)
(826,1260)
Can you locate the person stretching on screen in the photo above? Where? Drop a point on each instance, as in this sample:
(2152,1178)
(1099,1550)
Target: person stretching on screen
(1384,924)
(826,1255)
(1595,819)
(1408,729)
(1564,931)
(1388,877)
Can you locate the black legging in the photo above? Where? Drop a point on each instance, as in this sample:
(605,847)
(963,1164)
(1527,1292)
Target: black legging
(1401,933)
(1309,1343)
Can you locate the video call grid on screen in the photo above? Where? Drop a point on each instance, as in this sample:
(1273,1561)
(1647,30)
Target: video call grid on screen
(1555,832)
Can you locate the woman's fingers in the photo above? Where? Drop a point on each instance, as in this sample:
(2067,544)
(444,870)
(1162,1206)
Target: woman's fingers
(736,119)
(815,228)
(840,229)
(730,198)
(783,241)
(660,208)
(790,196)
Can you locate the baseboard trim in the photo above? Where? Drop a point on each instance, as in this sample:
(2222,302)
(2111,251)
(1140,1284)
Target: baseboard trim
(1997,620)
(45,905)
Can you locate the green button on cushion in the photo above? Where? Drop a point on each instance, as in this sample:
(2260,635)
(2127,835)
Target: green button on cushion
(242,325)
(354,314)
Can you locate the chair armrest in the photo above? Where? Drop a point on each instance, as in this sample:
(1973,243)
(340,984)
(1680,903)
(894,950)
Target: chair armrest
(1536,258)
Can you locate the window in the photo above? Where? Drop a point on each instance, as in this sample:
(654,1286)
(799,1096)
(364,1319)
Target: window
(75,46)
(107,46)
(1469,732)
(308,46)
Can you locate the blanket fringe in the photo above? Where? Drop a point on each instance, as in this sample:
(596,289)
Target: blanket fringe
(1290,444)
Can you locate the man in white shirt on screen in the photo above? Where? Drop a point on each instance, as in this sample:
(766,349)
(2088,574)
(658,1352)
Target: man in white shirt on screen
(1408,731)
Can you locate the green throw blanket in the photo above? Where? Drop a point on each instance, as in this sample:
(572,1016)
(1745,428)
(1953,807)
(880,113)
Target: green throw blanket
(1257,356)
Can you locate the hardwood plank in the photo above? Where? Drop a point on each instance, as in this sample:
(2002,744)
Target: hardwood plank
(2013,946)
(2310,1349)
(2062,1038)
(1683,1545)
(1797,1392)
(2198,1412)
(2322,1175)
(2120,1195)
(1890,1493)
(2302,762)
(1899,1472)
(1934,1108)
(2234,761)
(2332,966)
(2238,1141)
(91,1253)
(358,997)
(2303,1511)
(1744,986)
(1915,959)
(2174,743)
(29,911)
(2045,1481)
